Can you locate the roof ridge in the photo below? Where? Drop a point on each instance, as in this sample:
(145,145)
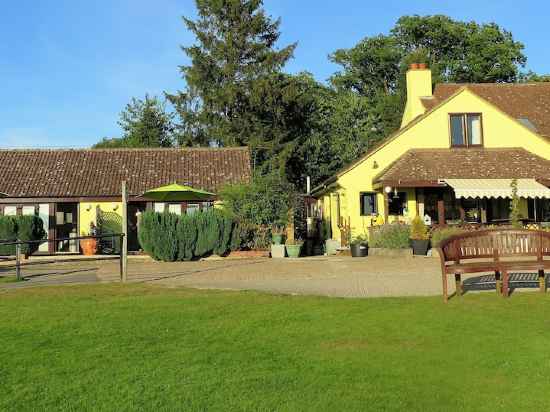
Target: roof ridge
(492,84)
(124,149)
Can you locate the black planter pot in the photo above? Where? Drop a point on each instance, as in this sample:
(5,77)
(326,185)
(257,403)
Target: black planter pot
(359,249)
(420,247)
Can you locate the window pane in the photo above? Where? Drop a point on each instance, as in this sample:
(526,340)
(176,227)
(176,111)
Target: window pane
(474,129)
(192,208)
(175,208)
(368,204)
(159,207)
(457,130)
(10,210)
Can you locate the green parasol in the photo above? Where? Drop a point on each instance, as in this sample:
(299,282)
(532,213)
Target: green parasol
(178,193)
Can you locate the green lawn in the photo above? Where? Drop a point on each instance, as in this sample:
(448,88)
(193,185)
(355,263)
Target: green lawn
(117,347)
(8,279)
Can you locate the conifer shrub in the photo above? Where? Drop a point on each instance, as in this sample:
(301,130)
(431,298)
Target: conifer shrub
(21,228)
(169,237)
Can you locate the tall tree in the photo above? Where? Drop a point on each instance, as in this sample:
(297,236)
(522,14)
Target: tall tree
(462,51)
(234,61)
(374,69)
(145,123)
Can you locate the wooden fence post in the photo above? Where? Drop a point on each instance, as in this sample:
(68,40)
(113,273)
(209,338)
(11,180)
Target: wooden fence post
(18,261)
(124,243)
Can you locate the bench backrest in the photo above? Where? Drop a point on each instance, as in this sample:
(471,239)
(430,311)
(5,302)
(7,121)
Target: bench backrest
(496,243)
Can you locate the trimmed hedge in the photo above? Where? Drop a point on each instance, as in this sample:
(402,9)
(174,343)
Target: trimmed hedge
(169,237)
(20,228)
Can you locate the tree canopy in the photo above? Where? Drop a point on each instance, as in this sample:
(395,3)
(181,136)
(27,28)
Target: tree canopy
(237,92)
(145,123)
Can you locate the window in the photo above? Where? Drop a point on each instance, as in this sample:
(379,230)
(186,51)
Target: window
(368,204)
(397,203)
(466,130)
(192,208)
(174,208)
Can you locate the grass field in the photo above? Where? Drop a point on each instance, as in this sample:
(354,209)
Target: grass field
(118,348)
(8,279)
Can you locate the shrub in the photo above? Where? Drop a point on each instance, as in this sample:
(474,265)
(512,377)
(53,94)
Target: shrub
(169,237)
(248,236)
(21,228)
(265,201)
(439,235)
(419,231)
(391,236)
(8,231)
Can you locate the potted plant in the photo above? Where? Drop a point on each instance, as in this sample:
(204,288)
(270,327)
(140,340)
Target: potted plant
(293,248)
(89,245)
(359,247)
(277,233)
(420,240)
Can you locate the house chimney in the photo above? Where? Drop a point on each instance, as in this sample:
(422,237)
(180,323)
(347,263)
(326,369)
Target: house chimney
(419,84)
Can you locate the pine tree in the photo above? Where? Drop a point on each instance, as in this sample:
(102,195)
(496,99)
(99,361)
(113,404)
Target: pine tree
(235,90)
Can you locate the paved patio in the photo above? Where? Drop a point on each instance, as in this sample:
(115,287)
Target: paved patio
(374,276)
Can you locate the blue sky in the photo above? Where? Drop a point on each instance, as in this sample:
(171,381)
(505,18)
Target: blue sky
(68,67)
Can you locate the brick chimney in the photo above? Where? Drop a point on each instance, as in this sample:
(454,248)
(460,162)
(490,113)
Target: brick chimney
(419,84)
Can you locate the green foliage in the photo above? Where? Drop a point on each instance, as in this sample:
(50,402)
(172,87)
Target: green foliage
(461,51)
(390,236)
(170,237)
(8,231)
(187,237)
(249,236)
(456,51)
(145,123)
(515,214)
(359,240)
(233,77)
(419,231)
(440,234)
(22,228)
(265,201)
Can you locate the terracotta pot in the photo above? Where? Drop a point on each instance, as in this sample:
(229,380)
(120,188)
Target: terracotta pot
(422,66)
(413,66)
(88,246)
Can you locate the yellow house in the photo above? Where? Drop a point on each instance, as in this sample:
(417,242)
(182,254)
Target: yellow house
(73,189)
(452,160)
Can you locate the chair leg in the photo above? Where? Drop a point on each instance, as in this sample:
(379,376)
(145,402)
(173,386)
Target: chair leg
(542,281)
(498,282)
(445,288)
(458,284)
(505,284)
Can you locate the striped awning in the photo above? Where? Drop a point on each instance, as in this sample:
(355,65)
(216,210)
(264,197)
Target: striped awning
(495,188)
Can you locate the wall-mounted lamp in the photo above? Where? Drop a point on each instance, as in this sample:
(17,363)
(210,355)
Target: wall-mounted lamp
(375,165)
(387,189)
(115,207)
(88,207)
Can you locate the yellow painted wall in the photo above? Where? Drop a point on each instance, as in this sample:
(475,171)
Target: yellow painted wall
(499,131)
(87,213)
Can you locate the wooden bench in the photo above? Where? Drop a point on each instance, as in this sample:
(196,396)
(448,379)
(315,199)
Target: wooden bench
(497,251)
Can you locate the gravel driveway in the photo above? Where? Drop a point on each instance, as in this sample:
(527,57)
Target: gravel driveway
(373,276)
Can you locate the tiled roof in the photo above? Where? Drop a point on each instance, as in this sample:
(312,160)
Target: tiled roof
(422,165)
(96,173)
(529,101)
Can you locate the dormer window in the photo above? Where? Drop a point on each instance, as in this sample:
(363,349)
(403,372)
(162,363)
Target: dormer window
(466,130)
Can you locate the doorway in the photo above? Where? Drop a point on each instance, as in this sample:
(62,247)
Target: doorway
(134,209)
(66,226)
